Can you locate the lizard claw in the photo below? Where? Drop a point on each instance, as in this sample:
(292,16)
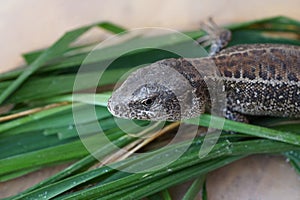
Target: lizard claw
(217,37)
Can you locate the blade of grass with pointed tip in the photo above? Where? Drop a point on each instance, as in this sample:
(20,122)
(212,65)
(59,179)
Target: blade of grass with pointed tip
(57,48)
(108,26)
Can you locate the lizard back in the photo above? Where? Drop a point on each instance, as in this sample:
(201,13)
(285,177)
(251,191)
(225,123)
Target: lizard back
(261,79)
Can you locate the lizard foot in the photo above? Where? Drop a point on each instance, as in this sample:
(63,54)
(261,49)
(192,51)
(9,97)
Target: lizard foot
(217,37)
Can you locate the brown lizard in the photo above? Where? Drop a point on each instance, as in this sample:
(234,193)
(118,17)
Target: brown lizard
(257,79)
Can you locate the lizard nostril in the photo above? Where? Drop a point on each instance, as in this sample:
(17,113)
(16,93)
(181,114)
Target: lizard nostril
(117,107)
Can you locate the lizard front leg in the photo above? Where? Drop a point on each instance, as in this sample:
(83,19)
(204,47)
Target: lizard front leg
(217,37)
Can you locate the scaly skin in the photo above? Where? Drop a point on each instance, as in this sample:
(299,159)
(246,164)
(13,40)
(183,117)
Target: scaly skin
(257,79)
(261,79)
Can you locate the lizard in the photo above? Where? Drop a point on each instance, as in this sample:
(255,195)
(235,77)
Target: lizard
(257,79)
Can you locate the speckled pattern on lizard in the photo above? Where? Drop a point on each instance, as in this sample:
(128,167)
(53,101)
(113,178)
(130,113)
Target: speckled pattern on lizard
(258,79)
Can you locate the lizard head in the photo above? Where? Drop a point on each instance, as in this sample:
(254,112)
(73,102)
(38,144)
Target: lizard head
(157,92)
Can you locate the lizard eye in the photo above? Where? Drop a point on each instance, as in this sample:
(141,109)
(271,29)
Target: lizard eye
(147,102)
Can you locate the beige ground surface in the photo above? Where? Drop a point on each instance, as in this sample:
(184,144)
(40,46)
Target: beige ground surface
(32,24)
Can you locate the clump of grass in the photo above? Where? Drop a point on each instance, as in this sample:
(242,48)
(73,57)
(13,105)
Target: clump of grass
(39,129)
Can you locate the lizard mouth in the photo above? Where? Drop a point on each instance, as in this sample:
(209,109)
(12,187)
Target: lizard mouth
(122,111)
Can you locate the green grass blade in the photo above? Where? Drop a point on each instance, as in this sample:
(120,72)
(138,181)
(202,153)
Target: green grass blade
(17,174)
(278,23)
(113,28)
(204,192)
(194,188)
(166,195)
(108,26)
(146,187)
(43,157)
(27,142)
(79,166)
(34,117)
(53,118)
(189,160)
(249,129)
(57,48)
(294,159)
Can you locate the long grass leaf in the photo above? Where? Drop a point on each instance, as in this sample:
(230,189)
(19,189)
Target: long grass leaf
(249,129)
(57,48)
